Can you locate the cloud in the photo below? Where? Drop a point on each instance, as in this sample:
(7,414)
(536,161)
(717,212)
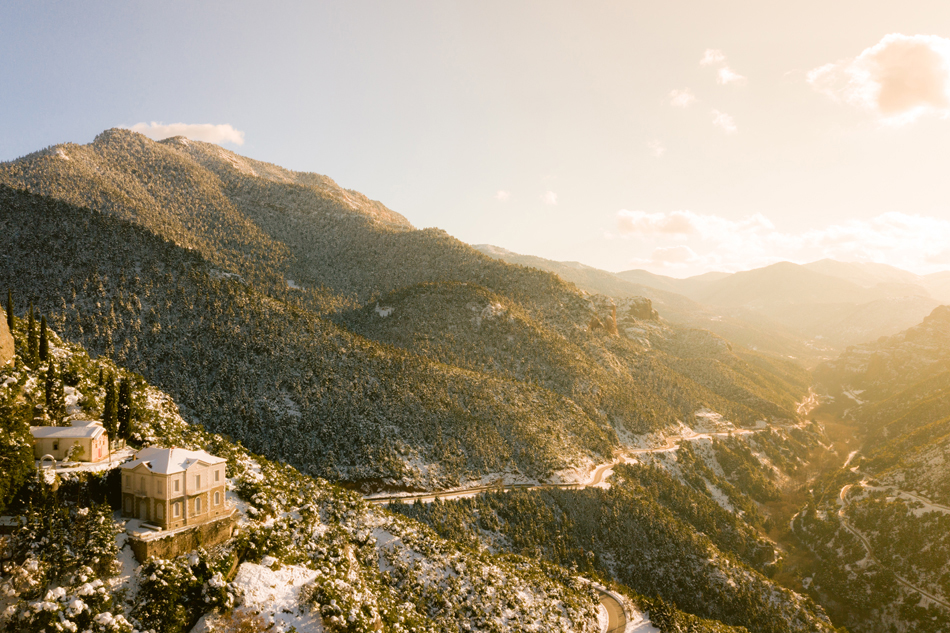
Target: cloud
(898,79)
(207,132)
(549,197)
(687,223)
(724,121)
(502,195)
(727,76)
(711,57)
(681,98)
(681,240)
(673,255)
(657,148)
(724,74)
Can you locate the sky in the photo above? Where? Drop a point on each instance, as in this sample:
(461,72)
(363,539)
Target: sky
(678,137)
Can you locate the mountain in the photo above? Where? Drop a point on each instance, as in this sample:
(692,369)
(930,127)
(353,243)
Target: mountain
(938,285)
(864,274)
(741,326)
(803,312)
(249,293)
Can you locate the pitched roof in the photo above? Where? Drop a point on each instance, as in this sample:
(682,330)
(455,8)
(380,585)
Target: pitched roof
(66,432)
(168,461)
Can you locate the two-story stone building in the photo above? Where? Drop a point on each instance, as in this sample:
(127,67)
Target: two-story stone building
(172,488)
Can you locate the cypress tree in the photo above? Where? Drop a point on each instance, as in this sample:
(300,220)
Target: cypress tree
(110,410)
(32,345)
(10,310)
(55,395)
(44,340)
(125,409)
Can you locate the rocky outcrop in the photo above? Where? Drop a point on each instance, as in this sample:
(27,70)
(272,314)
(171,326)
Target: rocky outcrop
(6,341)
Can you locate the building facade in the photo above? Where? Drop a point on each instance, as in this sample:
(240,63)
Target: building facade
(57,441)
(172,488)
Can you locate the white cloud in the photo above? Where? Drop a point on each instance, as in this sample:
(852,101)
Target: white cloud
(207,132)
(727,76)
(898,79)
(711,57)
(502,195)
(724,121)
(687,223)
(681,240)
(657,148)
(681,98)
(549,197)
(724,74)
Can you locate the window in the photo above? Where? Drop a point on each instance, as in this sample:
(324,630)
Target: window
(141,483)
(128,482)
(160,486)
(55,445)
(197,505)
(198,482)
(176,508)
(159,512)
(217,475)
(177,485)
(128,505)
(217,498)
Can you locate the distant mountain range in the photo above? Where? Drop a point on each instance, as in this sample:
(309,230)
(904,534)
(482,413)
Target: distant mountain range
(808,312)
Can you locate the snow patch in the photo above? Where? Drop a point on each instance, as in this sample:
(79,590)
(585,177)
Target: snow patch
(275,595)
(383,312)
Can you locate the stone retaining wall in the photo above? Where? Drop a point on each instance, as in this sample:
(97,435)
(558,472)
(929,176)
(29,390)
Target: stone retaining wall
(177,543)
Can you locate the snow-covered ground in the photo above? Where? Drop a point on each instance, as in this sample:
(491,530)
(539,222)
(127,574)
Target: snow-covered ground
(275,594)
(66,468)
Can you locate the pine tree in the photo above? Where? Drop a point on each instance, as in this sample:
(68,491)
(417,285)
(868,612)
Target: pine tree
(110,410)
(44,340)
(32,344)
(10,310)
(125,409)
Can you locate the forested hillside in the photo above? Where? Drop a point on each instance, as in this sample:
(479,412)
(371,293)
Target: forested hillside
(235,285)
(357,568)
(878,524)
(277,377)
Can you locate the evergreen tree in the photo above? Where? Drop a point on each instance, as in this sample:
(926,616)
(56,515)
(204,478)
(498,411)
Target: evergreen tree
(110,410)
(125,409)
(10,310)
(32,344)
(55,395)
(44,340)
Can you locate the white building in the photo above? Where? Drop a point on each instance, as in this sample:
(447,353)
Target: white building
(58,440)
(174,487)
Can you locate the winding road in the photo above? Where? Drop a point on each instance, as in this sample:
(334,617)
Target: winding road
(842,496)
(618,619)
(597,477)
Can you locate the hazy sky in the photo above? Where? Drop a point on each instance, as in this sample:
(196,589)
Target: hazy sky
(679,137)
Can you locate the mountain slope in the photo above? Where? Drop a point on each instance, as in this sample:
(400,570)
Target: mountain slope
(307,554)
(275,376)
